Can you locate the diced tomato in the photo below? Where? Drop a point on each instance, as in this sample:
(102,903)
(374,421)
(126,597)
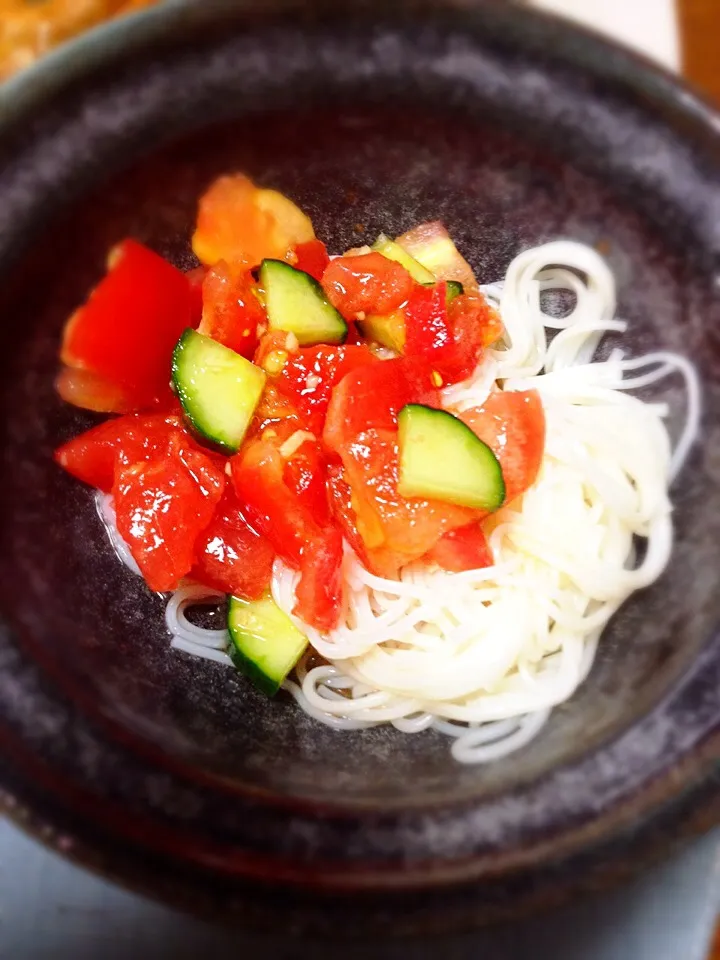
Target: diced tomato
(195,278)
(162,506)
(231,311)
(304,473)
(90,391)
(474,322)
(373,395)
(93,456)
(126,332)
(320,592)
(463,549)
(380,561)
(512,424)
(296,534)
(408,527)
(450,341)
(366,284)
(242,224)
(312,257)
(269,504)
(230,556)
(309,375)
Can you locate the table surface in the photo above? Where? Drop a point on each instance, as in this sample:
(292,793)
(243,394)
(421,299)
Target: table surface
(51,909)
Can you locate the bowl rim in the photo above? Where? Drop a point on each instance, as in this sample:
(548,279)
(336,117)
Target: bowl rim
(662,93)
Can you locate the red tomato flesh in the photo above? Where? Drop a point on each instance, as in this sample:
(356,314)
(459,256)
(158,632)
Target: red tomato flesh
(366,283)
(89,391)
(93,456)
(463,549)
(295,530)
(407,527)
(304,473)
(512,424)
(449,340)
(130,324)
(231,312)
(230,556)
(311,373)
(312,257)
(162,506)
(195,278)
(269,504)
(320,593)
(372,396)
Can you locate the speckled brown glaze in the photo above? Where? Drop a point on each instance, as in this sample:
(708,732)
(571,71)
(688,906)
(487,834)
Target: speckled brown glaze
(511,129)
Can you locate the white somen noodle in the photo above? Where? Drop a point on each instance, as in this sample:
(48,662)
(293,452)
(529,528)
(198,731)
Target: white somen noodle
(483,656)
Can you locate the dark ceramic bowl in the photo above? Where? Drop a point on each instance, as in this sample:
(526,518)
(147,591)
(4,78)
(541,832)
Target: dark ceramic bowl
(175,775)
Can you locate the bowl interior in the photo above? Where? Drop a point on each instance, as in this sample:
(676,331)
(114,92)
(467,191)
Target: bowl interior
(500,178)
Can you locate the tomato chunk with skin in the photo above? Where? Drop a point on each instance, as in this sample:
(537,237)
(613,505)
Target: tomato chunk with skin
(450,340)
(320,592)
(512,424)
(195,278)
(258,474)
(242,223)
(366,284)
(305,474)
(89,391)
(310,374)
(295,532)
(408,527)
(372,396)
(232,557)
(127,330)
(93,456)
(162,506)
(380,561)
(463,549)
(312,257)
(475,323)
(231,312)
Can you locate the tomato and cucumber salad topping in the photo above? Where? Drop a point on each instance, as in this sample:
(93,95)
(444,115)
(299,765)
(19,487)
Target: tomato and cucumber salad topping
(275,403)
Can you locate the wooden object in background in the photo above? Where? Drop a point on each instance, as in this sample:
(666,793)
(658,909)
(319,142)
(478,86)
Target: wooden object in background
(29,28)
(699,22)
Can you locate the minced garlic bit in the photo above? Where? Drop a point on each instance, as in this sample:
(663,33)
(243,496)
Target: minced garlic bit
(312,381)
(294,442)
(275,361)
(291,342)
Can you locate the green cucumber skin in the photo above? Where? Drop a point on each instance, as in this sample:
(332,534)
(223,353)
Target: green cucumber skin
(248,668)
(256,623)
(454,289)
(393,251)
(329,325)
(449,430)
(191,342)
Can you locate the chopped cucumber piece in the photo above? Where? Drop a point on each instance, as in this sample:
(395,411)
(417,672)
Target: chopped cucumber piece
(218,389)
(393,251)
(296,302)
(387,329)
(454,289)
(442,459)
(265,643)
